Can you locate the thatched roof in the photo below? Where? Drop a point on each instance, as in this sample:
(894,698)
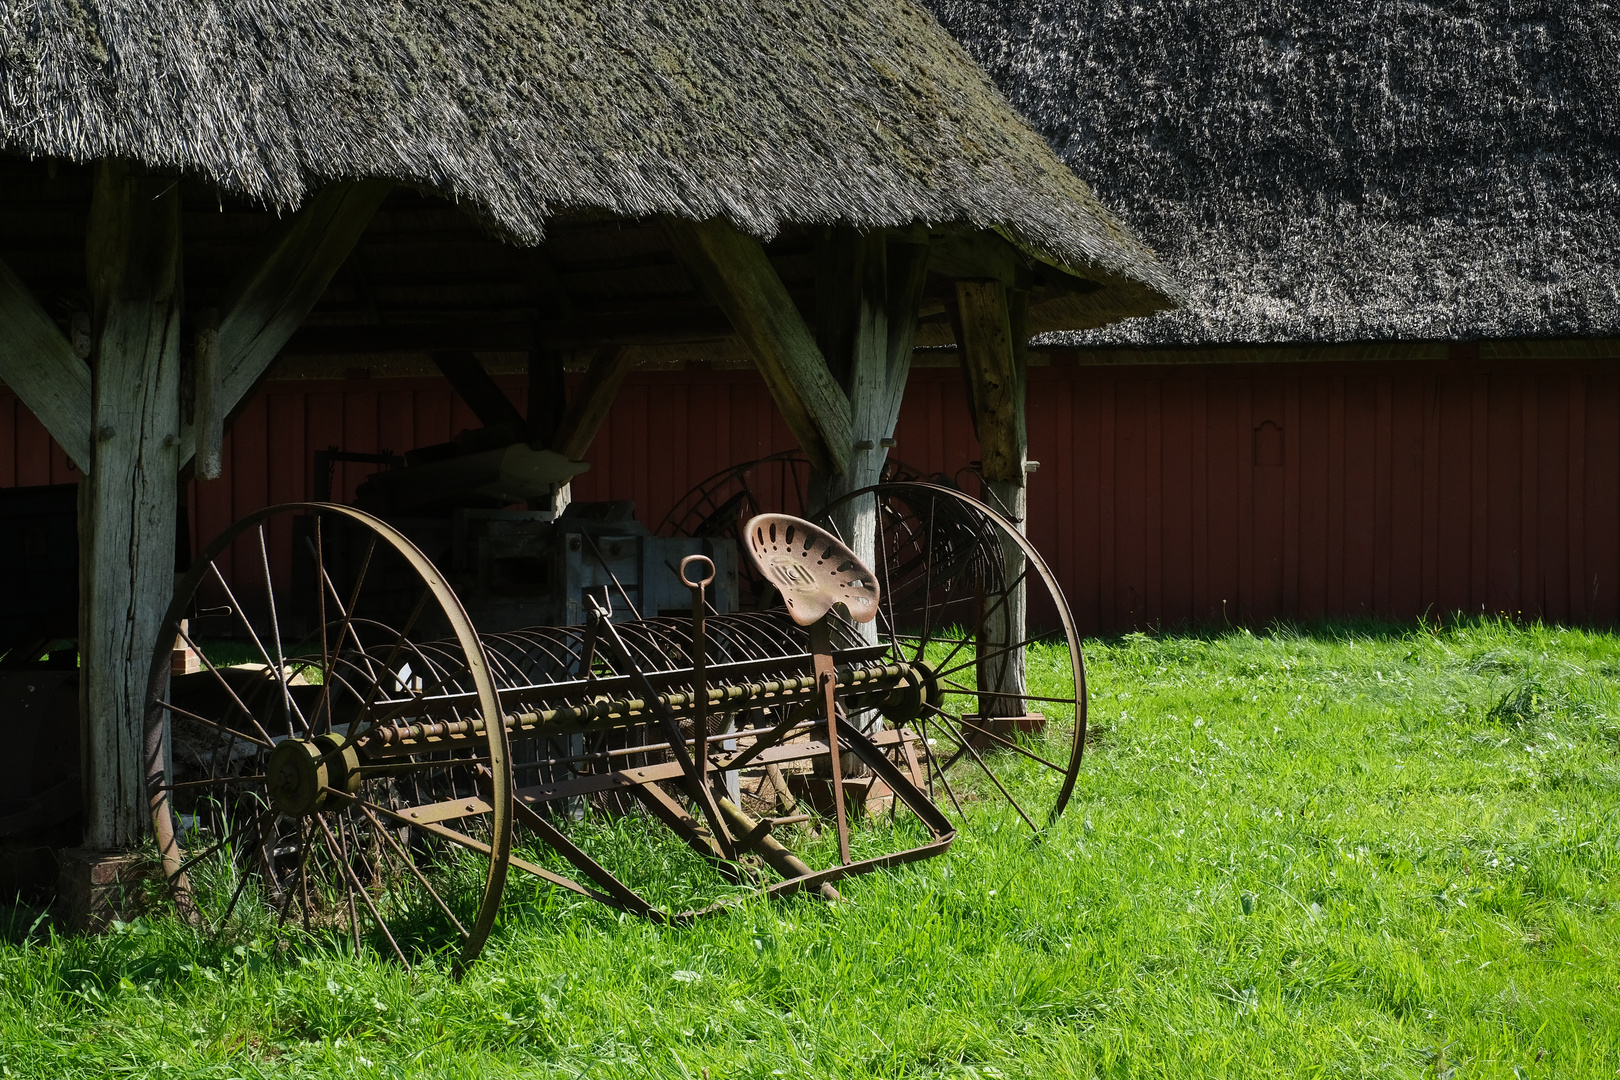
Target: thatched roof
(767,112)
(1340,170)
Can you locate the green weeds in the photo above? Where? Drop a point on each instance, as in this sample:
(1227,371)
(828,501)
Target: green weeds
(1350,851)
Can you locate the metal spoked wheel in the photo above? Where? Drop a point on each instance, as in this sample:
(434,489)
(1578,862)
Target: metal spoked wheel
(268,807)
(966,597)
(719,506)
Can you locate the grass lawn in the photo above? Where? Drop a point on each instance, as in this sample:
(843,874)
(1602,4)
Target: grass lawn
(1351,852)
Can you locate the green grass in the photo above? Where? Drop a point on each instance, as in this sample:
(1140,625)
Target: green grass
(1351,852)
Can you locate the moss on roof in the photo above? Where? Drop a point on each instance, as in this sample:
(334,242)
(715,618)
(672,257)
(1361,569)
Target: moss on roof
(766,112)
(1339,170)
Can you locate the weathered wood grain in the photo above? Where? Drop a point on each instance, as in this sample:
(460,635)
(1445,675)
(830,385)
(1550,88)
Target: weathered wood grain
(208,415)
(38,363)
(996,387)
(127,502)
(266,304)
(592,400)
(739,277)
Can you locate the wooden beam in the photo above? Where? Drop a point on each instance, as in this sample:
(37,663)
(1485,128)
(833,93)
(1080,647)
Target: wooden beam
(266,304)
(548,394)
(591,401)
(908,276)
(483,396)
(38,362)
(738,276)
(127,501)
(977,255)
(988,357)
(656,325)
(209,412)
(991,336)
(879,320)
(840,252)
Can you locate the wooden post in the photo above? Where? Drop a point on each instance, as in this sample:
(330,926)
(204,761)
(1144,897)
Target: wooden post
(992,339)
(209,415)
(127,501)
(548,394)
(868,330)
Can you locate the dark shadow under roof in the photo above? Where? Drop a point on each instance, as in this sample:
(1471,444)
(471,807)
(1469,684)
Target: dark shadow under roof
(767,112)
(1339,171)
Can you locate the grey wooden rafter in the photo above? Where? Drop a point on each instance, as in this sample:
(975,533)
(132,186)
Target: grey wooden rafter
(40,366)
(264,306)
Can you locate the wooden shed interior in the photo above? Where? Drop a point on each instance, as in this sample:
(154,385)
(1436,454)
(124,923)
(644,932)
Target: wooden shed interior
(142,309)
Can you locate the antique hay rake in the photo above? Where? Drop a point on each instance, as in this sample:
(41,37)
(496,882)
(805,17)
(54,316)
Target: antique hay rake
(373,777)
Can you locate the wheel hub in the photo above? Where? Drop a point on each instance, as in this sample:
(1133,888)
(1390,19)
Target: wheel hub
(301,772)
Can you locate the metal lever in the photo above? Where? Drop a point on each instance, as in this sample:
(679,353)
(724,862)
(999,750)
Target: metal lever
(700,649)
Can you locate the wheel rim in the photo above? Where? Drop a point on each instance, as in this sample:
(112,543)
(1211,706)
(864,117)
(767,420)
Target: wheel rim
(942,561)
(264,794)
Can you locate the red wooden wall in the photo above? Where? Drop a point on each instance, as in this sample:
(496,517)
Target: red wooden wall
(1166,494)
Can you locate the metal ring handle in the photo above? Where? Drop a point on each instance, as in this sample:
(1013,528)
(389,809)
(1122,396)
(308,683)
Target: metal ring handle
(705,582)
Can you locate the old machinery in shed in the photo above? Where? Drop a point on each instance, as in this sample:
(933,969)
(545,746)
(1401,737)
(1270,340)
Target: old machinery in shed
(390,786)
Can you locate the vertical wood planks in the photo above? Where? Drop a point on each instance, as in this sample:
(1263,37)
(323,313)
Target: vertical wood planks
(1469,488)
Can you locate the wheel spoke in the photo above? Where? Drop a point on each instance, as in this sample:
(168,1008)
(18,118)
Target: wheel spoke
(229,689)
(994,779)
(288,707)
(229,839)
(410,864)
(187,785)
(216,725)
(340,857)
(980,658)
(365,898)
(975,692)
(270,665)
(934,768)
(986,615)
(320,617)
(329,659)
(1008,743)
(299,878)
(245,876)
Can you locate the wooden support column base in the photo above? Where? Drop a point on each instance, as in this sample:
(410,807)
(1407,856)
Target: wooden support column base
(95,887)
(983,732)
